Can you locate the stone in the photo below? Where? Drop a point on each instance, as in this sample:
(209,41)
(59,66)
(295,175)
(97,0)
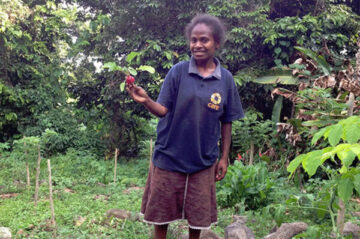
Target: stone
(208,234)
(240,219)
(351,229)
(238,230)
(118,213)
(288,230)
(79,220)
(5,233)
(356,214)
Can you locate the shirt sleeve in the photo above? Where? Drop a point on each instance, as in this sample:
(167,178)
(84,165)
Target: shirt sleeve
(233,108)
(168,89)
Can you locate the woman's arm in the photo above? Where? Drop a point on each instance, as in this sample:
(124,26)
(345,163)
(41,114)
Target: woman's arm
(139,95)
(221,167)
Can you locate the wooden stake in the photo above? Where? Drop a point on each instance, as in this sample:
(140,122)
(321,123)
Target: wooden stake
(151,143)
(251,160)
(37,177)
(27,167)
(115,162)
(51,196)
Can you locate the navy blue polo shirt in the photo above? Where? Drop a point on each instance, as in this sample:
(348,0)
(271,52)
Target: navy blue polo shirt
(188,135)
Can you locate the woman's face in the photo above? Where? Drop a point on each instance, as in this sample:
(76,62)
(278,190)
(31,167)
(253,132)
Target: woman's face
(202,43)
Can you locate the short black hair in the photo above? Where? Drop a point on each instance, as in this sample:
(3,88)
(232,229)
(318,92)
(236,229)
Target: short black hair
(215,24)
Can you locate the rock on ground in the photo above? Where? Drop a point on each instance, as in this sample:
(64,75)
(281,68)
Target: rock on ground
(5,233)
(208,234)
(351,229)
(288,230)
(238,230)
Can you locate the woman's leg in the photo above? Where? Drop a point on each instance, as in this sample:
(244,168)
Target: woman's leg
(194,233)
(160,231)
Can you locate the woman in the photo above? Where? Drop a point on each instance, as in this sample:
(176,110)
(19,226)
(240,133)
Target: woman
(197,103)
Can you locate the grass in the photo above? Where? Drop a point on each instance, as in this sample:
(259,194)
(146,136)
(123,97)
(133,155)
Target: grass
(83,190)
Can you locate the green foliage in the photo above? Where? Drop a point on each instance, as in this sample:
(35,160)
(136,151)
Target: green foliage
(250,184)
(311,32)
(251,130)
(320,104)
(348,178)
(79,190)
(320,60)
(32,71)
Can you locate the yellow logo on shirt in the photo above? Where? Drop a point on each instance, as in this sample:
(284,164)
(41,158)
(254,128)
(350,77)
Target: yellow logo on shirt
(215,101)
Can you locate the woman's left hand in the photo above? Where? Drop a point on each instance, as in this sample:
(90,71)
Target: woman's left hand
(220,169)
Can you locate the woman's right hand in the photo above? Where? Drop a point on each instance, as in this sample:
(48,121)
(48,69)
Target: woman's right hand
(137,93)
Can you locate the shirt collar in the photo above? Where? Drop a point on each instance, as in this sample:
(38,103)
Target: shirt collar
(216,73)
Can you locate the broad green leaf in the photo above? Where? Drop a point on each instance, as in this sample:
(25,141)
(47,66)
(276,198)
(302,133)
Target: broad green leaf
(131,56)
(327,153)
(111,66)
(320,60)
(312,162)
(352,133)
(335,150)
(281,79)
(323,65)
(122,86)
(345,189)
(295,163)
(335,134)
(357,183)
(346,157)
(132,71)
(319,123)
(149,69)
(318,135)
(356,149)
(275,117)
(277,50)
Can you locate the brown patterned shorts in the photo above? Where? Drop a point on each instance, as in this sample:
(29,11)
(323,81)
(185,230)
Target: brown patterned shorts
(170,196)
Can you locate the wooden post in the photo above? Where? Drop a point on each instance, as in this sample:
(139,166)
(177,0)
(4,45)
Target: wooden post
(53,222)
(251,160)
(27,167)
(115,162)
(37,176)
(150,149)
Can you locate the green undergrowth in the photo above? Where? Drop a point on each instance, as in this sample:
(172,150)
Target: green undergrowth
(84,190)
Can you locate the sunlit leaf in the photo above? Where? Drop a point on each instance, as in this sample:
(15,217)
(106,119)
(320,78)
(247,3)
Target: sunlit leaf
(112,66)
(277,79)
(352,133)
(295,163)
(131,56)
(122,86)
(318,135)
(346,157)
(335,134)
(149,69)
(132,71)
(312,162)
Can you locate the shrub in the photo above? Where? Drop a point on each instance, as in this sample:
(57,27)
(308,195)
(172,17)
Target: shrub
(250,184)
